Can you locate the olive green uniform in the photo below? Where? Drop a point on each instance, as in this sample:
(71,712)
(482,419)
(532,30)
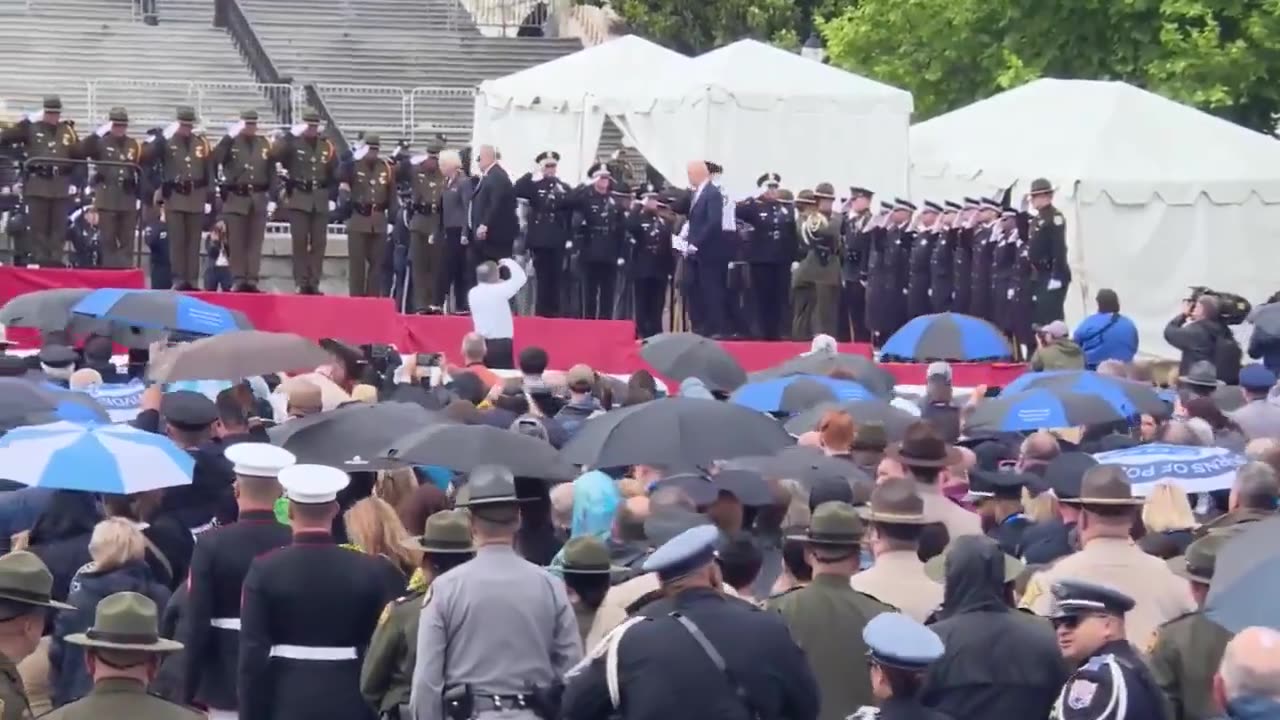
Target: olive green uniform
(246,177)
(47,185)
(188,166)
(311,164)
(115,195)
(815,284)
(122,698)
(425,245)
(1183,660)
(373,200)
(13,696)
(386,677)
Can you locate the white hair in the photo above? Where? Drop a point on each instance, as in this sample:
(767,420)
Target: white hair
(1252,671)
(450,159)
(823,343)
(473,347)
(58,373)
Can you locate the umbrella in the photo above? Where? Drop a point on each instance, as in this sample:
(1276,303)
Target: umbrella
(351,437)
(745,484)
(50,310)
(1129,398)
(25,403)
(1246,579)
(859,368)
(96,458)
(1266,318)
(895,421)
(463,448)
(806,465)
(1040,408)
(696,485)
(684,355)
(236,354)
(1193,469)
(947,336)
(161,310)
(680,433)
(768,395)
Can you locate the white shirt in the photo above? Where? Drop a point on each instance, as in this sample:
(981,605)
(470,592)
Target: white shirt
(490,303)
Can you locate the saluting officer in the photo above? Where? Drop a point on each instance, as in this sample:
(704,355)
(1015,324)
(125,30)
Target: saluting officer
(386,677)
(310,162)
(815,283)
(244,157)
(210,627)
(887,283)
(600,238)
(857,242)
(187,165)
(769,254)
(309,610)
(498,632)
(985,239)
(115,187)
(919,260)
(942,285)
(962,258)
(371,182)
(1111,681)
(899,651)
(426,242)
(548,235)
(652,261)
(47,184)
(1051,272)
(26,587)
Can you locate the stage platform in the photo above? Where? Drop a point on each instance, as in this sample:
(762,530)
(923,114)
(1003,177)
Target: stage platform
(606,345)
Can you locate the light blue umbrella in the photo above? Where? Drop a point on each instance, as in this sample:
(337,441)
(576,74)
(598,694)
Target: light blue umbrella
(1193,469)
(94,458)
(768,395)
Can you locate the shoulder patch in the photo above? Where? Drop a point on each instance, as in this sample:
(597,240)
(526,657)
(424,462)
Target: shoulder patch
(1057,220)
(386,612)
(1080,694)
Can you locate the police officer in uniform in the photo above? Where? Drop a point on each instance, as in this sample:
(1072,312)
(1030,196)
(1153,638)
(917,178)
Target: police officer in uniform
(498,632)
(815,281)
(387,674)
(997,496)
(210,627)
(426,242)
(985,239)
(962,257)
(942,261)
(768,255)
(713,656)
(652,261)
(919,260)
(1005,254)
(1021,294)
(246,177)
(308,612)
(26,587)
(548,235)
(588,574)
(899,651)
(600,239)
(371,182)
(47,185)
(187,165)
(1047,236)
(310,162)
(115,187)
(887,280)
(857,241)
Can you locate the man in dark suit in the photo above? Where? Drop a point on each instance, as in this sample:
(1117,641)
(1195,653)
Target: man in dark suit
(493,209)
(706,251)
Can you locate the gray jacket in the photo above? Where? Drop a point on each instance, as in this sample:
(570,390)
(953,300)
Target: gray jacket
(455,201)
(1258,419)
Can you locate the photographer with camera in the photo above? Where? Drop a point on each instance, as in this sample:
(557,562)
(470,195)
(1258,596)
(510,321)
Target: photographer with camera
(1201,335)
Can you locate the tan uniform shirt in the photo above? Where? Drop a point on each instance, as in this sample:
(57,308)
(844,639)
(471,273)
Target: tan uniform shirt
(311,164)
(613,611)
(13,696)
(115,187)
(246,169)
(51,141)
(940,508)
(897,578)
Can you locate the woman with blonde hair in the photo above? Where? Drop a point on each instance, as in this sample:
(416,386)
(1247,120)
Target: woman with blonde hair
(394,487)
(1168,520)
(374,529)
(1040,508)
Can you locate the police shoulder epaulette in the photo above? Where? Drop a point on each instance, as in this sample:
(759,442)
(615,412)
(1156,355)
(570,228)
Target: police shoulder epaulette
(891,607)
(638,604)
(1180,618)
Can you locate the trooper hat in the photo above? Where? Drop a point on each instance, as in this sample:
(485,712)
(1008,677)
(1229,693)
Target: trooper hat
(448,531)
(490,485)
(25,579)
(126,621)
(588,555)
(895,501)
(310,116)
(118,116)
(924,449)
(804,197)
(1039,186)
(833,523)
(52,103)
(373,140)
(824,191)
(1105,485)
(1197,565)
(249,116)
(1202,373)
(186,114)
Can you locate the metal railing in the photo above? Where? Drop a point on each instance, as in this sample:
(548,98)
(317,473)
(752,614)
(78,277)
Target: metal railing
(214,102)
(228,14)
(426,119)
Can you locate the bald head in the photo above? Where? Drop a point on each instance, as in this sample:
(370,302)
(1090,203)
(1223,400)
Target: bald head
(1039,448)
(697,172)
(1250,667)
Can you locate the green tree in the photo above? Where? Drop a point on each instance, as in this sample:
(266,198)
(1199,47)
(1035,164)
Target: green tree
(696,27)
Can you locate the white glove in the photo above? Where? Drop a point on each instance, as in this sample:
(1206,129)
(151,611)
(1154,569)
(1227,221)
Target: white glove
(631,240)
(360,152)
(536,176)
(332,206)
(417,159)
(73,191)
(431,239)
(568,245)
(795,265)
(1008,294)
(234,129)
(621,262)
(103,129)
(298,129)
(208,208)
(465,241)
(271,208)
(1054,283)
(34,116)
(930,293)
(151,138)
(170,130)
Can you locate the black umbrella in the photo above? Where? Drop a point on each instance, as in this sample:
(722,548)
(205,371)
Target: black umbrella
(895,421)
(855,367)
(462,448)
(23,402)
(803,464)
(1266,318)
(1039,408)
(680,433)
(684,355)
(1246,579)
(50,311)
(353,436)
(695,483)
(745,484)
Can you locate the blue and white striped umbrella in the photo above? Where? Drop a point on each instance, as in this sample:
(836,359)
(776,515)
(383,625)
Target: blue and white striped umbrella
(93,458)
(1194,469)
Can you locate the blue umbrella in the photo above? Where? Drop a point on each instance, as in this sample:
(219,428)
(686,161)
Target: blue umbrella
(96,458)
(767,395)
(160,310)
(1128,397)
(947,336)
(25,403)
(1193,469)
(1040,408)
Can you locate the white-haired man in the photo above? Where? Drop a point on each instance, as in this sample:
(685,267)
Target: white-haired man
(493,209)
(1247,685)
(455,211)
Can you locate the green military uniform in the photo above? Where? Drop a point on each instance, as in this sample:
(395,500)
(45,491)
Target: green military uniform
(47,185)
(115,188)
(586,560)
(187,162)
(311,163)
(815,284)
(425,244)
(1185,652)
(827,616)
(386,677)
(245,161)
(373,199)
(25,584)
(125,625)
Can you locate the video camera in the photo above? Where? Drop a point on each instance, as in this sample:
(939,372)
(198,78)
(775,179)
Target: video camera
(1232,308)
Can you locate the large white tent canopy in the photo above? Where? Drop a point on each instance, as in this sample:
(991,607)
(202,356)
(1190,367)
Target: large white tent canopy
(1158,195)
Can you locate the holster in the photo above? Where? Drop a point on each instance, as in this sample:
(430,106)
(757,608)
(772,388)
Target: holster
(545,701)
(459,702)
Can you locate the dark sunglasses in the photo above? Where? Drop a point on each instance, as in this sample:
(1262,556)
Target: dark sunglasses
(1071,622)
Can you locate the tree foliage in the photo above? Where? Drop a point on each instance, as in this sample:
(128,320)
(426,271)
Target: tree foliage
(696,27)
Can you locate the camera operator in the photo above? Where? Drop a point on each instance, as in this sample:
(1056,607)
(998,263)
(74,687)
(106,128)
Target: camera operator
(1201,336)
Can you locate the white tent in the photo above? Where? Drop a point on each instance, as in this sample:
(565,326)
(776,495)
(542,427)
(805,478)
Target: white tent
(1158,196)
(561,105)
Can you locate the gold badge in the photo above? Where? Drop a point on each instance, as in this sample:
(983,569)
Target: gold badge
(1151,642)
(386,613)
(200,151)
(131,154)
(265,152)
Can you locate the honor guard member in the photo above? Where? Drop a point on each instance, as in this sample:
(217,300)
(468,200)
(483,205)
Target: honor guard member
(857,239)
(187,166)
(827,617)
(26,586)
(498,633)
(712,656)
(652,262)
(548,234)
(942,261)
(887,282)
(47,182)
(1111,682)
(962,257)
(244,157)
(1021,294)
(769,254)
(920,261)
(815,283)
(1186,651)
(1051,273)
(57,362)
(600,240)
(115,184)
(371,182)
(985,239)
(1004,280)
(997,496)
(310,163)
(899,652)
(123,651)
(210,627)
(387,674)
(308,612)
(426,241)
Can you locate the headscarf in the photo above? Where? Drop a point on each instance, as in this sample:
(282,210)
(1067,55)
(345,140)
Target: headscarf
(595,499)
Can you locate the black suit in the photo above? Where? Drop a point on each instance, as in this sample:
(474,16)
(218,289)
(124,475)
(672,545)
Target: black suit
(494,205)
